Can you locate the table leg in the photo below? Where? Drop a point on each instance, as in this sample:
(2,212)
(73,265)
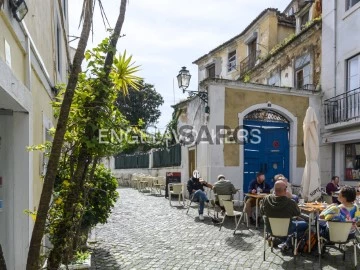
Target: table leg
(318,234)
(256,212)
(311,217)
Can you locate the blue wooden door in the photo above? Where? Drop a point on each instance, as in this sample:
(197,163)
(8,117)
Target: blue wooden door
(266,149)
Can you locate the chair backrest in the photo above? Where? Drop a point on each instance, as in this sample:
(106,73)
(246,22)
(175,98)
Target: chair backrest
(223,198)
(162,180)
(339,231)
(177,188)
(327,198)
(229,207)
(279,226)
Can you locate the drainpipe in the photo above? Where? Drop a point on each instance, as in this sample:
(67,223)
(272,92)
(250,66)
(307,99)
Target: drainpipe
(333,150)
(27,63)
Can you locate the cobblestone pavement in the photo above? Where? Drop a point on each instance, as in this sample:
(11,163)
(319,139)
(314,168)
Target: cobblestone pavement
(144,232)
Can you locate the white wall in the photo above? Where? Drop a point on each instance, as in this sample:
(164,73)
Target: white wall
(340,41)
(6,192)
(15,170)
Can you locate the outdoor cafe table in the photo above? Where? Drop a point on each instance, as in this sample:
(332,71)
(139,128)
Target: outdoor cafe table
(313,210)
(257,197)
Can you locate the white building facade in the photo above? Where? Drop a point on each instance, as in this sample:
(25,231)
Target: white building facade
(340,132)
(33,59)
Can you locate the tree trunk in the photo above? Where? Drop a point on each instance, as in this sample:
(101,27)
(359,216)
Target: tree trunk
(39,227)
(2,260)
(66,225)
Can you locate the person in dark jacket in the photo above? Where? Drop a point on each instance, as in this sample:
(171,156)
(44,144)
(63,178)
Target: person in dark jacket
(195,187)
(278,205)
(257,184)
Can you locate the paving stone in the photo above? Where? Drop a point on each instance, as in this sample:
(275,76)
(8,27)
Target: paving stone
(144,232)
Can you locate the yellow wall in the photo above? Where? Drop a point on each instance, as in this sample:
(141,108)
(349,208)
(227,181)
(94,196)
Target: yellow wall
(41,106)
(237,100)
(17,53)
(39,22)
(284,32)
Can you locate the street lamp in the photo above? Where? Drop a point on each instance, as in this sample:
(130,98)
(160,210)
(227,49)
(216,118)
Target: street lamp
(19,9)
(184,80)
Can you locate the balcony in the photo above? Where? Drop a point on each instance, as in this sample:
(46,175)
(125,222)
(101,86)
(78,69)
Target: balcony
(342,108)
(249,62)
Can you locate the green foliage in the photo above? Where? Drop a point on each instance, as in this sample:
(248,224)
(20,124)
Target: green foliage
(81,256)
(246,77)
(141,105)
(101,197)
(93,110)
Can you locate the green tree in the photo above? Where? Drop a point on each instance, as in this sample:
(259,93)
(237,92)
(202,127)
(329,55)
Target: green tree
(2,259)
(142,104)
(39,227)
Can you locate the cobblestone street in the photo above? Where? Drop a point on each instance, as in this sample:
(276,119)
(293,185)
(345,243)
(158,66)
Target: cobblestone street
(144,232)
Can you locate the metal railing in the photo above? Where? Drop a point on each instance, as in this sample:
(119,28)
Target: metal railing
(132,161)
(343,107)
(168,157)
(249,62)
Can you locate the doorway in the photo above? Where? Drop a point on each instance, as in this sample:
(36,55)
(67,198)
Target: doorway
(192,162)
(267,146)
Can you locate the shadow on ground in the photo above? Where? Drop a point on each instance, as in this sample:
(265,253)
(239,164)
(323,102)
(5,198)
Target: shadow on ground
(103,259)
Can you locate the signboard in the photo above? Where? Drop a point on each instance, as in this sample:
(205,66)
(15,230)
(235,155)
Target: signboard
(172,177)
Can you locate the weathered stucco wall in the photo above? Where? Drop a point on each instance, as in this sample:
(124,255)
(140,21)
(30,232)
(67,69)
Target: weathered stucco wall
(269,33)
(237,100)
(284,60)
(41,108)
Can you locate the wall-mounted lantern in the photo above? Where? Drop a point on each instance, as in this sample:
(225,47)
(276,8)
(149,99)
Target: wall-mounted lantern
(184,80)
(19,9)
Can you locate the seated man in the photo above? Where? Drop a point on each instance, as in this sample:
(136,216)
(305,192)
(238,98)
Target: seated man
(279,205)
(288,189)
(195,187)
(223,187)
(332,187)
(255,185)
(346,211)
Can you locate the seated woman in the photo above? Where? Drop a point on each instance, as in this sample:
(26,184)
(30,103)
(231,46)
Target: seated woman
(332,187)
(346,211)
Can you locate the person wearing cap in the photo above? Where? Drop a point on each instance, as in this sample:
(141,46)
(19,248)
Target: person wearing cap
(223,187)
(195,186)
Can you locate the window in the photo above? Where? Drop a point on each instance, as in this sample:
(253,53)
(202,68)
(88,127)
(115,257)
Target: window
(352,161)
(210,70)
(351,3)
(291,11)
(58,48)
(231,61)
(303,72)
(304,19)
(353,73)
(274,79)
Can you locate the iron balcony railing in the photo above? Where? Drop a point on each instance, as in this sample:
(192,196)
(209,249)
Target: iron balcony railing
(343,107)
(249,62)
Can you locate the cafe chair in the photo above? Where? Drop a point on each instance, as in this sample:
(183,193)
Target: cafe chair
(159,184)
(191,201)
(230,212)
(220,207)
(339,234)
(279,228)
(327,198)
(176,189)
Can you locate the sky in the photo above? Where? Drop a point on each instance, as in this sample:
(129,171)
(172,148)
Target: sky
(164,35)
